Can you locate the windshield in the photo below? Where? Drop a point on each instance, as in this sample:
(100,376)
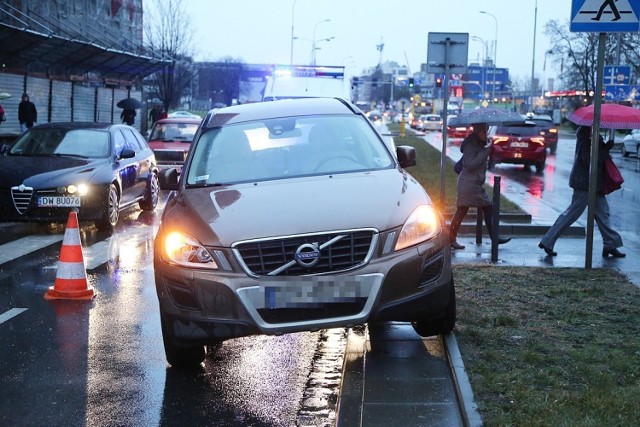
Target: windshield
(286,147)
(62,142)
(173,132)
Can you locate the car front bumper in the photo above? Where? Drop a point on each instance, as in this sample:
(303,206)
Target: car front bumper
(210,306)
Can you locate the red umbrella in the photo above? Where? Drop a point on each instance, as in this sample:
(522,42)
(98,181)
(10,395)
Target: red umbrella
(612,116)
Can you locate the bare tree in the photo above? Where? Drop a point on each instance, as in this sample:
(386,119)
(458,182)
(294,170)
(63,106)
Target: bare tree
(577,55)
(169,33)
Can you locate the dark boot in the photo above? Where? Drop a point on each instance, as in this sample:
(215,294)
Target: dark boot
(456,221)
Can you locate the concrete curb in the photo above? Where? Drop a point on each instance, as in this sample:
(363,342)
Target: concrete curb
(468,405)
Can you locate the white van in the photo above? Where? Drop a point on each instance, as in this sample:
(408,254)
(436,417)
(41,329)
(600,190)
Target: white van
(306,81)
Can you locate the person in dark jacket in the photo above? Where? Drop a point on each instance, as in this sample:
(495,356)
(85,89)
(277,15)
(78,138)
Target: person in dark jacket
(579,181)
(128,116)
(475,151)
(27,113)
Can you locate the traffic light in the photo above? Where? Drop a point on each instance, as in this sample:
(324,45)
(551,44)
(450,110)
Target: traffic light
(410,81)
(438,82)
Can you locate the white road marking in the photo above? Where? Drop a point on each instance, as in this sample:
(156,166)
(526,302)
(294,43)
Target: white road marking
(26,245)
(11,314)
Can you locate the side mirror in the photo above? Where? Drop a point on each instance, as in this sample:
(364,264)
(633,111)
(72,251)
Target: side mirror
(127,153)
(168,179)
(406,156)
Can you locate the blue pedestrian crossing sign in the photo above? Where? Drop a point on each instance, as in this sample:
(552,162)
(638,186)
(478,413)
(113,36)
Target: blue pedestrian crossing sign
(605,16)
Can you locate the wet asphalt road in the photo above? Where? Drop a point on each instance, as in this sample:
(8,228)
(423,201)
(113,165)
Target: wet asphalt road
(101,362)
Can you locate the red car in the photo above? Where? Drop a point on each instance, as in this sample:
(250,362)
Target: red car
(170,140)
(457,131)
(547,129)
(521,145)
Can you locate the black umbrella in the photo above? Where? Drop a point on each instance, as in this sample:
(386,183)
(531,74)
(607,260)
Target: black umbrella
(129,104)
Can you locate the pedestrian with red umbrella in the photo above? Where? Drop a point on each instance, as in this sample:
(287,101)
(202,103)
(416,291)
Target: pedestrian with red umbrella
(579,181)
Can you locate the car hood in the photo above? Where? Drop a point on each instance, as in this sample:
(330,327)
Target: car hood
(46,171)
(221,216)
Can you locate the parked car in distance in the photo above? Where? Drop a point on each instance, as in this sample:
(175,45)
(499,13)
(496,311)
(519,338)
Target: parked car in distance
(631,143)
(294,215)
(521,144)
(547,129)
(170,140)
(430,122)
(457,131)
(184,115)
(97,168)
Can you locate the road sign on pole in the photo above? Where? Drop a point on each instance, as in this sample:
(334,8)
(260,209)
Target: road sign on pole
(605,16)
(617,74)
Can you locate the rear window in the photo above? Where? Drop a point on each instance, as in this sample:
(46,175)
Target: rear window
(433,118)
(543,122)
(517,130)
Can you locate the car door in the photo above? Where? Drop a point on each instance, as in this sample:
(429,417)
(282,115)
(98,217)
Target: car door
(144,157)
(127,169)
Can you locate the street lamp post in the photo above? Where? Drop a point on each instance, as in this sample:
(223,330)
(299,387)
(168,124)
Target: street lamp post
(313,44)
(495,55)
(316,48)
(293,6)
(484,61)
(533,58)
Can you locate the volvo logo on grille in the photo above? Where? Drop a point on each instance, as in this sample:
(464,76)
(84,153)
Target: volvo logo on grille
(307,255)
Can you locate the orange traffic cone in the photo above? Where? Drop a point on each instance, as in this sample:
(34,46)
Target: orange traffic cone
(71,278)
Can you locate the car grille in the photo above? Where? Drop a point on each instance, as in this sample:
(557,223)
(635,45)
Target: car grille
(340,251)
(21,198)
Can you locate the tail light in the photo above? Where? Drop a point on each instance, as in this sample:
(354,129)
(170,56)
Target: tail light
(553,130)
(538,140)
(499,139)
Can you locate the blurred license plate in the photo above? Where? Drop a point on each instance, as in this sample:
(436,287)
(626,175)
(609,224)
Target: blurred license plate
(519,144)
(59,201)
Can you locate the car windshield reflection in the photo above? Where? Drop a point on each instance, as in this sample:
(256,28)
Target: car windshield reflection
(285,148)
(59,142)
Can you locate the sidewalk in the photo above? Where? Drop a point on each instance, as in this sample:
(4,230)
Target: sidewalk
(394,377)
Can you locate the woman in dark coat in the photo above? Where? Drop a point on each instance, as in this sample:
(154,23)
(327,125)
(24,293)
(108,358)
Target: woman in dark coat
(579,181)
(475,152)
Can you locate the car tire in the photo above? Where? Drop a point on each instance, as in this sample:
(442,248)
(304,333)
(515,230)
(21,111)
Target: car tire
(442,325)
(540,166)
(553,148)
(180,357)
(492,163)
(150,200)
(625,153)
(111,212)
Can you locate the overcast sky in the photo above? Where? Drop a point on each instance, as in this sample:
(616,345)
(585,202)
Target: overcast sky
(259,31)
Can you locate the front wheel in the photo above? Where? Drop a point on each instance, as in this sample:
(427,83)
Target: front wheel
(442,325)
(111,210)
(179,357)
(625,153)
(150,200)
(492,163)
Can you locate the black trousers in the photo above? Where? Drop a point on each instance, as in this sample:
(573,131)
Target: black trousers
(461,212)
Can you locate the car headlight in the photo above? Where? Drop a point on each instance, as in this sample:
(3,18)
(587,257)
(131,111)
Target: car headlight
(181,249)
(80,189)
(423,224)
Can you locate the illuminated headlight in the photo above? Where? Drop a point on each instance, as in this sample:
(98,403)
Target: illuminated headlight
(184,250)
(422,225)
(80,190)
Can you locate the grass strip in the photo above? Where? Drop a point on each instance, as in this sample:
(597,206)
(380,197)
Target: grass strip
(550,346)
